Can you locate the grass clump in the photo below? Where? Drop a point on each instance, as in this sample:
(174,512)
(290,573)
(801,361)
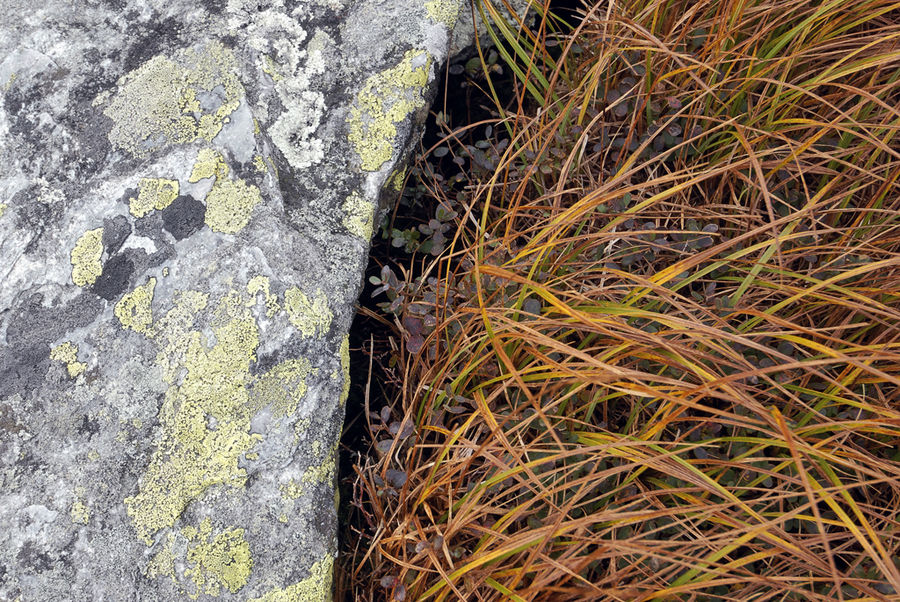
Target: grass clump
(656,357)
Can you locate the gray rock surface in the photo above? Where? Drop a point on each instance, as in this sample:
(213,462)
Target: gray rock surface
(187,193)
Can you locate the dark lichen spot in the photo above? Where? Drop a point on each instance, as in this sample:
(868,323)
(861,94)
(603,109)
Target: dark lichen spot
(183,217)
(115,231)
(157,36)
(8,420)
(33,558)
(88,427)
(115,278)
(23,368)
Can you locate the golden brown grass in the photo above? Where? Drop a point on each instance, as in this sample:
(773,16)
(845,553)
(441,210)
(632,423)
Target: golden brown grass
(664,360)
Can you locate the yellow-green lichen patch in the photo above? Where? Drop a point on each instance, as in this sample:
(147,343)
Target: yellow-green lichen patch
(3,207)
(161,102)
(172,332)
(260,164)
(212,397)
(153,193)
(359,216)
(67,353)
(443,11)
(261,284)
(205,423)
(281,388)
(324,472)
(134,309)
(396,179)
(386,99)
(310,317)
(210,163)
(220,561)
(345,368)
(79,512)
(270,67)
(315,587)
(291,490)
(163,562)
(229,205)
(85,257)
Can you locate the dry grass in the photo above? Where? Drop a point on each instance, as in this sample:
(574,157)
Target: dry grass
(661,356)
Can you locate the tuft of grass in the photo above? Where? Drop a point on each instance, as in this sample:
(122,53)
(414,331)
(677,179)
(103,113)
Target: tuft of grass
(659,355)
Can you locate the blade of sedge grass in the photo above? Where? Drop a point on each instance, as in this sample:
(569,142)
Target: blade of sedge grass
(457,433)
(512,38)
(873,544)
(503,590)
(537,536)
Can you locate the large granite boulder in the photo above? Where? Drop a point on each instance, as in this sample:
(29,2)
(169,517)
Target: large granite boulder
(187,193)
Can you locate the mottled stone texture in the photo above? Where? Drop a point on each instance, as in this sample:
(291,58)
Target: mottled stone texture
(187,190)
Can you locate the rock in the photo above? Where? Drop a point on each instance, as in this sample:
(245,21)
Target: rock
(187,192)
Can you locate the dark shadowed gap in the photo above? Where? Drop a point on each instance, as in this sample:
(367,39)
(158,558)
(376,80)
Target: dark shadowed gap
(372,340)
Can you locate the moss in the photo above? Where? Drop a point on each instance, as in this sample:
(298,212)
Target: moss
(312,318)
(359,216)
(158,103)
(386,99)
(85,257)
(153,193)
(443,11)
(315,587)
(223,561)
(134,309)
(67,353)
(210,163)
(229,205)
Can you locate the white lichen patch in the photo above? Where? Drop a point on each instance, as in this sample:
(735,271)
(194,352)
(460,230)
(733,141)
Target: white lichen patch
(86,256)
(67,353)
(311,317)
(359,216)
(167,100)
(153,193)
(386,99)
(315,587)
(134,309)
(278,38)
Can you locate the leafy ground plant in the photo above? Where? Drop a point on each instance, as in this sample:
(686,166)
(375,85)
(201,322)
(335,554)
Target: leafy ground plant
(657,357)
